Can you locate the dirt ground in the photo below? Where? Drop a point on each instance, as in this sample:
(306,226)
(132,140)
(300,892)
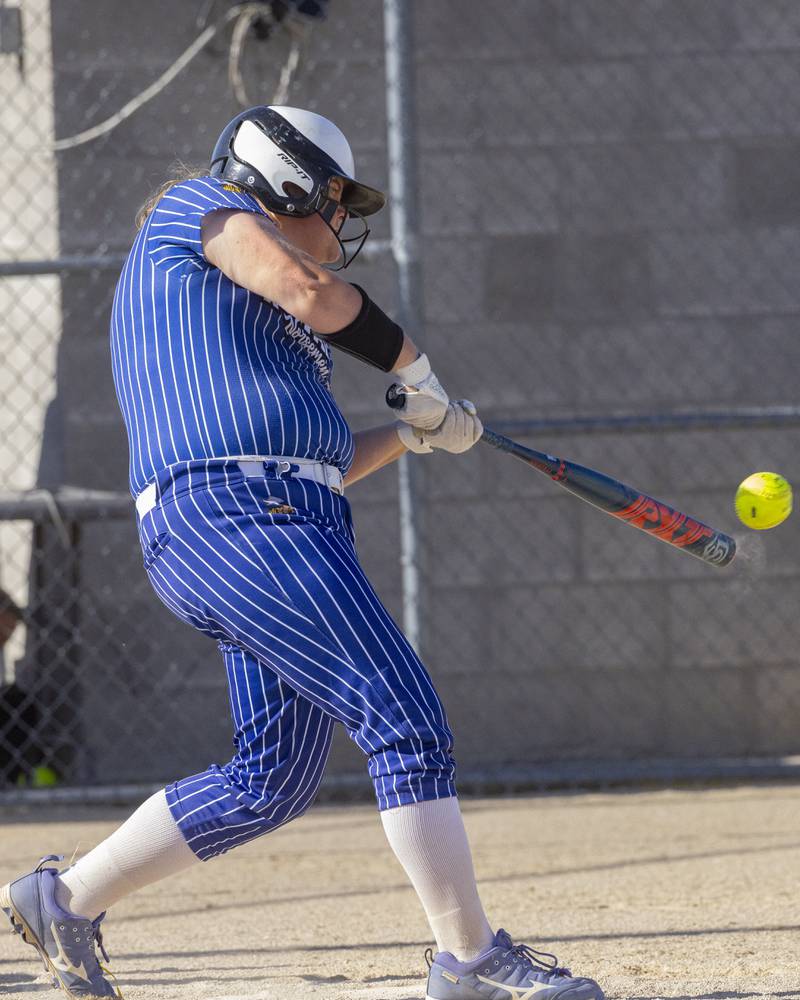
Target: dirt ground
(681,894)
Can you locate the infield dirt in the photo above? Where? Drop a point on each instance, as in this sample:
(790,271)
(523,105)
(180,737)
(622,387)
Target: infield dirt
(681,894)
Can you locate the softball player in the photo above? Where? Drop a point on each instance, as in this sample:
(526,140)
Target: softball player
(221,334)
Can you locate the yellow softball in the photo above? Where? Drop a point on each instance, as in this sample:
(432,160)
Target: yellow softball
(763,500)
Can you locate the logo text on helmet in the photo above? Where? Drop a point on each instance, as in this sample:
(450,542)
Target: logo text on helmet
(293,165)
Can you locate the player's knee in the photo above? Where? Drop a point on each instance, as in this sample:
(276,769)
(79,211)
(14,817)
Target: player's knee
(284,799)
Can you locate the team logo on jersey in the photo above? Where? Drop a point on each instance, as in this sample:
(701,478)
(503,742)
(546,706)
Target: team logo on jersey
(315,349)
(278,507)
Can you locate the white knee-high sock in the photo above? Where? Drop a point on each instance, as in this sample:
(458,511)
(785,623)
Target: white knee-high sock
(147,847)
(430,842)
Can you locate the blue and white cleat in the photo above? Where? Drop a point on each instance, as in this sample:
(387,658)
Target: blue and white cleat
(507,971)
(65,943)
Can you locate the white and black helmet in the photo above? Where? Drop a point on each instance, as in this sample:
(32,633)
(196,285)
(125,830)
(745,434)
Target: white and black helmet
(277,152)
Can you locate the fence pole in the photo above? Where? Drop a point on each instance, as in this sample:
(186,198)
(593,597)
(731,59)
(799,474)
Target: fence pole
(401,140)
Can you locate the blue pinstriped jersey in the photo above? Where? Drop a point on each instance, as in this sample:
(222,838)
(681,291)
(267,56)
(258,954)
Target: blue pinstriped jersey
(204,368)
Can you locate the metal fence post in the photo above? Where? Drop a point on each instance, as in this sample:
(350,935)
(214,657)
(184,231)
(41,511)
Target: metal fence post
(401,138)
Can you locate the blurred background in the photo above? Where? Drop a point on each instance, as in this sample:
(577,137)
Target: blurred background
(607,198)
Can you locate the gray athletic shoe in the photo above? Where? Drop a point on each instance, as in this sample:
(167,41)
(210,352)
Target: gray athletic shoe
(65,942)
(507,971)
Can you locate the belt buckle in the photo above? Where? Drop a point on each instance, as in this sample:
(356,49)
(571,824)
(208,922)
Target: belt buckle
(277,468)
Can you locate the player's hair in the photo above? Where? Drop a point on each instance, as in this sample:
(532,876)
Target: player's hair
(179,172)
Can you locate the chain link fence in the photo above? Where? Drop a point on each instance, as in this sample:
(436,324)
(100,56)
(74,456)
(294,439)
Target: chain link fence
(609,206)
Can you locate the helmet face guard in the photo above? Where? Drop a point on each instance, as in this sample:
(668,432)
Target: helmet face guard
(359,237)
(263,152)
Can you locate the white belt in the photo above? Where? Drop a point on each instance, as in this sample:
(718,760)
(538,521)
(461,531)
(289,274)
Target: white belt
(252,466)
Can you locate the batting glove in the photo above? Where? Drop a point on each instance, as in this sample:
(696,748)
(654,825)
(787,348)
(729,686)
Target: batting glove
(425,401)
(458,432)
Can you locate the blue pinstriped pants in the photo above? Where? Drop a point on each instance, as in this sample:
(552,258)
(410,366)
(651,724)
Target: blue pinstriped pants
(268,568)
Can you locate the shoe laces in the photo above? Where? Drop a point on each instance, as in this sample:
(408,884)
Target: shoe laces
(98,936)
(97,933)
(540,960)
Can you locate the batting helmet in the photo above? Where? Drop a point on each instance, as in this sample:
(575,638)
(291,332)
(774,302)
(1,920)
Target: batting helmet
(267,149)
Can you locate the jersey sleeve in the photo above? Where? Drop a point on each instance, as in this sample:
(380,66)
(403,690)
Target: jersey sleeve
(174,239)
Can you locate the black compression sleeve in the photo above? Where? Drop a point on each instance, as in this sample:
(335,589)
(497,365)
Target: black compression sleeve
(371,337)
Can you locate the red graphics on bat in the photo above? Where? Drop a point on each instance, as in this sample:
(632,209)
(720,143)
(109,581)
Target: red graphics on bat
(656,517)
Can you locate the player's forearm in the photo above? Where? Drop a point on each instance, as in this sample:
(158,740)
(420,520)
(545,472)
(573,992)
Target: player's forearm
(328,305)
(375,448)
(410,352)
(373,337)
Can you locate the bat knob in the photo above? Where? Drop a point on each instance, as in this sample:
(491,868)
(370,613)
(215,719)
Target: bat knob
(395,397)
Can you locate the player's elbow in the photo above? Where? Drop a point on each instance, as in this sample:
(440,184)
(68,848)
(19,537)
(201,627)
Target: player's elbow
(320,299)
(305,294)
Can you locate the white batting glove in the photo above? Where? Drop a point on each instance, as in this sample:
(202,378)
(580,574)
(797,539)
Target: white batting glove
(425,400)
(459,431)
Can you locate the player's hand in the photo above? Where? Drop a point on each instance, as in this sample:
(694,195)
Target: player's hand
(424,400)
(459,431)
